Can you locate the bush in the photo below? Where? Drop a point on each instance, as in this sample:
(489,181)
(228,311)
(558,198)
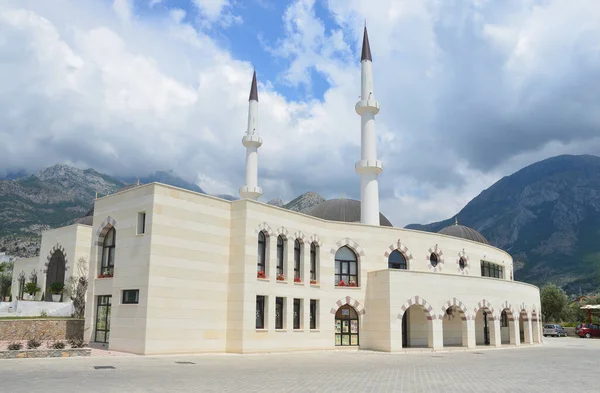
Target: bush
(58,345)
(57,287)
(33,343)
(77,343)
(15,346)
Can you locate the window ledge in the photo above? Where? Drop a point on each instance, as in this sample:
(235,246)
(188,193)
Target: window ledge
(317,285)
(281,330)
(262,330)
(140,234)
(299,283)
(282,281)
(299,330)
(103,278)
(262,279)
(315,330)
(346,287)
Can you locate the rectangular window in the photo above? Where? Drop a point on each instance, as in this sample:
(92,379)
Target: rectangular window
(346,271)
(141,224)
(279,310)
(131,296)
(280,255)
(297,260)
(493,270)
(313,313)
(313,262)
(297,313)
(262,255)
(260,312)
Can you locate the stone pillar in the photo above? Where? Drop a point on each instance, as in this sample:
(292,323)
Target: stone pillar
(496,334)
(469,334)
(514,331)
(436,334)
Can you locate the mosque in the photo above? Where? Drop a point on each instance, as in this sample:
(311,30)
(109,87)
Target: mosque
(176,271)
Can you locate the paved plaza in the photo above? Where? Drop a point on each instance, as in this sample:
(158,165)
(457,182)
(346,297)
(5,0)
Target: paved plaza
(560,365)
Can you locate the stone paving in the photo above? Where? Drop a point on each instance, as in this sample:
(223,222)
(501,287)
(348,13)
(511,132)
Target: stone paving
(560,365)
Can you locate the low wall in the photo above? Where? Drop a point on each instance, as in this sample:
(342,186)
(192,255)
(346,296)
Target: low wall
(26,308)
(45,353)
(41,329)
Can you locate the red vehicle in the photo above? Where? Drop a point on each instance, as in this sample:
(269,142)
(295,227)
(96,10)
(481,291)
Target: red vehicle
(587,330)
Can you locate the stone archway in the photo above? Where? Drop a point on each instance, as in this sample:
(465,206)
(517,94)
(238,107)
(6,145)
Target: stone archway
(454,318)
(417,327)
(485,324)
(524,327)
(55,271)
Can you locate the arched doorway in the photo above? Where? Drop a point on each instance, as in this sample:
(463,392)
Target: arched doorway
(485,327)
(346,326)
(524,332)
(454,326)
(417,330)
(55,272)
(507,327)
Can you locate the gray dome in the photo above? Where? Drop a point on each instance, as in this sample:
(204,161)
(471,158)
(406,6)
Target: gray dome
(344,210)
(464,232)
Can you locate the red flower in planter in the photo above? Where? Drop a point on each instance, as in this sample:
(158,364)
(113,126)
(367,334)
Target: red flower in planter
(313,281)
(261,274)
(280,277)
(352,284)
(297,279)
(341,283)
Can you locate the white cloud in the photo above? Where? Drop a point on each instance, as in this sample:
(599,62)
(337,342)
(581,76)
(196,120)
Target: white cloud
(216,11)
(469,92)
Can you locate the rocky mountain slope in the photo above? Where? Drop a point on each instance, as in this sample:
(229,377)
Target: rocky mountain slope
(547,216)
(304,202)
(54,197)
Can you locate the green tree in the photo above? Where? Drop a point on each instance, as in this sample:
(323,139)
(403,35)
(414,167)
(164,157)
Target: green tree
(554,302)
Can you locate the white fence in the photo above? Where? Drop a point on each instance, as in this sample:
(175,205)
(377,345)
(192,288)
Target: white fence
(26,308)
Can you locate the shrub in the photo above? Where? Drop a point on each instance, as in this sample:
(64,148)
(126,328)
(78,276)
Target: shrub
(15,346)
(57,287)
(43,314)
(58,345)
(77,343)
(33,343)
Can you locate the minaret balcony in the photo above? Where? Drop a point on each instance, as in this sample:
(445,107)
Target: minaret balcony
(368,166)
(251,192)
(367,106)
(252,140)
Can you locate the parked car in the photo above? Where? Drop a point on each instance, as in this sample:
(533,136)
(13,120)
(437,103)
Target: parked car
(587,330)
(554,330)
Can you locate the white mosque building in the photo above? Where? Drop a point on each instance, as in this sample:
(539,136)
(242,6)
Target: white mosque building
(176,271)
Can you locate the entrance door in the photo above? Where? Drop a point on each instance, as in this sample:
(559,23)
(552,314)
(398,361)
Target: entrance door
(103,319)
(346,326)
(405,330)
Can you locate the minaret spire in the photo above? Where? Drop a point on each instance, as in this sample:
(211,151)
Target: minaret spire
(368,167)
(252,141)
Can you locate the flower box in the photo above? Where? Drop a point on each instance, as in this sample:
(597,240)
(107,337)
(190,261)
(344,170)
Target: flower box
(313,282)
(352,284)
(341,283)
(105,275)
(280,277)
(261,274)
(297,279)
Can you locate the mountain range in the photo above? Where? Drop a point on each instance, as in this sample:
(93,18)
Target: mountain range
(547,215)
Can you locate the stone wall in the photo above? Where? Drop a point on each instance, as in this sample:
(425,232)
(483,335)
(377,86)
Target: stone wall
(45,353)
(42,329)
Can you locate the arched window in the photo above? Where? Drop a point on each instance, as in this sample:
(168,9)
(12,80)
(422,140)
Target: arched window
(262,254)
(297,260)
(433,259)
(313,262)
(108,253)
(462,263)
(346,267)
(396,260)
(280,255)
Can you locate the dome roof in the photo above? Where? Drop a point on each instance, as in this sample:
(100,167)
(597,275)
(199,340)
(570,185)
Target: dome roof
(464,232)
(342,209)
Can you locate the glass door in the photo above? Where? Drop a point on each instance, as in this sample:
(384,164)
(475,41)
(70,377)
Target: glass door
(103,319)
(346,326)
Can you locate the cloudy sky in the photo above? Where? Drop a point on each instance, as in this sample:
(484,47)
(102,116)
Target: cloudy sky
(470,91)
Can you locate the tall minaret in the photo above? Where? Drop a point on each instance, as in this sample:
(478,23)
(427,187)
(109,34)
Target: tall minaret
(252,141)
(369,166)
